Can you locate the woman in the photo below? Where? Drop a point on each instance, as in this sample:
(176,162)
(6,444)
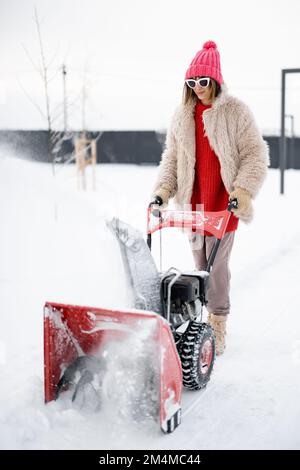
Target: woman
(214,152)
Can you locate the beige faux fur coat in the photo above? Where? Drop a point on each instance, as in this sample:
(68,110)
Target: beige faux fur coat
(233,135)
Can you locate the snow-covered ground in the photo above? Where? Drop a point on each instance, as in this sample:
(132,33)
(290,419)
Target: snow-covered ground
(252,400)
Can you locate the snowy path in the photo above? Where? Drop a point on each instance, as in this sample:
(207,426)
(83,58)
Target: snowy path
(252,398)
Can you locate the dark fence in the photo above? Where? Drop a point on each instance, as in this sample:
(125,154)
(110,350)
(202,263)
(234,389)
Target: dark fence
(292,151)
(138,147)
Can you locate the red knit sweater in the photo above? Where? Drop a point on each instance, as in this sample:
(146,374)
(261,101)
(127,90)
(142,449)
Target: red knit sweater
(209,188)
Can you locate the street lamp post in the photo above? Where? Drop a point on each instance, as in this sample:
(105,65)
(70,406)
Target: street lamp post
(282,152)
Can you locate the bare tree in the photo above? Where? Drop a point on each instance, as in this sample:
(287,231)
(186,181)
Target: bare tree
(55,138)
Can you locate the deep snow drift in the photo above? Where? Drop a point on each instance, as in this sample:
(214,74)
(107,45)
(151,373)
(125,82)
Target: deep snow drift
(252,400)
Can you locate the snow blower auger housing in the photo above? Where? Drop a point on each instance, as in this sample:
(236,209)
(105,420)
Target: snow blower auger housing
(167,306)
(75,342)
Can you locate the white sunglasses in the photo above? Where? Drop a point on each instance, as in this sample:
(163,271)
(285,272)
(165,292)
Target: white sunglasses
(203,82)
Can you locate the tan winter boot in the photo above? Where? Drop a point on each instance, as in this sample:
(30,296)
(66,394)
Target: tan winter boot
(218,323)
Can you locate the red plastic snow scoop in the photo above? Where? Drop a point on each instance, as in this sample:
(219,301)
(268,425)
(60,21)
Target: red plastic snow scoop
(74,332)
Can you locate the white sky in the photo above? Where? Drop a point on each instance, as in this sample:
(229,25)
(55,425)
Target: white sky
(136,52)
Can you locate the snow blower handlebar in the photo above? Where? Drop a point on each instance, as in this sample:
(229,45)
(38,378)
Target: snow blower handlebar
(213,222)
(232,204)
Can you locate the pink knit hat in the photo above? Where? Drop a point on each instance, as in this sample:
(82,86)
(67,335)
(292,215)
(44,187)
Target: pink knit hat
(206,63)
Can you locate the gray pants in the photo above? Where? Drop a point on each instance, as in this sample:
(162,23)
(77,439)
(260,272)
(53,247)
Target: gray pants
(219,279)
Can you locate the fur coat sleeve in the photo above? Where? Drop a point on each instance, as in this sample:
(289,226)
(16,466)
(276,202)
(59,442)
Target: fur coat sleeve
(166,181)
(253,153)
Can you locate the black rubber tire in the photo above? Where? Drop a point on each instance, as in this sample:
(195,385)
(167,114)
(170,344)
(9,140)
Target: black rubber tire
(191,349)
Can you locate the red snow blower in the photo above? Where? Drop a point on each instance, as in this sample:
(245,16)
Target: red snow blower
(163,342)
